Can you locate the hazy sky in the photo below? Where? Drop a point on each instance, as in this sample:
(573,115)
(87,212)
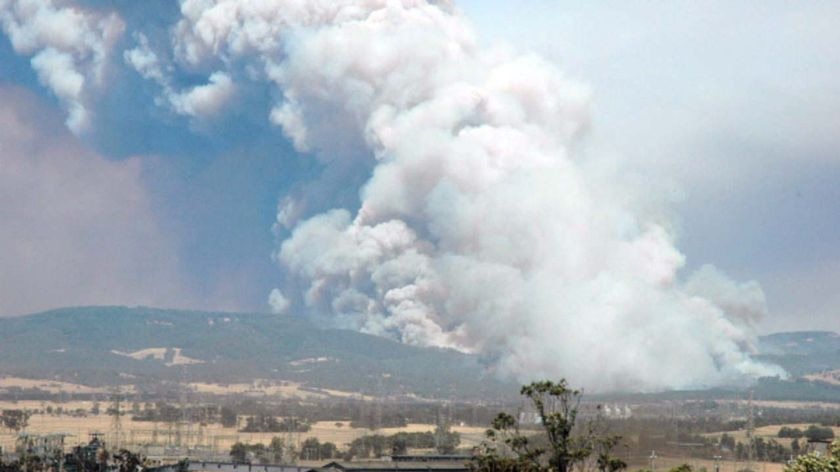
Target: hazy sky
(160,197)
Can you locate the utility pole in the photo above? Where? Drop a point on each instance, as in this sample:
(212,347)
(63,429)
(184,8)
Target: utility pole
(717,463)
(652,461)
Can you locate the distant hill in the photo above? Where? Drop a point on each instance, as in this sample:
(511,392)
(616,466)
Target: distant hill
(802,352)
(107,345)
(102,346)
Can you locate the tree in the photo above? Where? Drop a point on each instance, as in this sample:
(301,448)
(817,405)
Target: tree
(727,442)
(681,468)
(228,417)
(329,450)
(238,452)
(788,432)
(15,420)
(565,443)
(249,453)
(605,461)
(817,463)
(817,433)
(310,449)
(277,450)
(128,461)
(446,440)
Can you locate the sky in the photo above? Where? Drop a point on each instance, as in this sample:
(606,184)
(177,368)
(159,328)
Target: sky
(140,169)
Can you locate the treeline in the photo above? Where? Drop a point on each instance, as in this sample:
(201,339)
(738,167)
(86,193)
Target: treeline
(92,457)
(366,447)
(377,445)
(768,450)
(696,438)
(269,424)
(360,414)
(812,433)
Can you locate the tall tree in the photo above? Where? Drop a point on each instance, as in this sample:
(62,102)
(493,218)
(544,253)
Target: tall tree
(562,444)
(817,463)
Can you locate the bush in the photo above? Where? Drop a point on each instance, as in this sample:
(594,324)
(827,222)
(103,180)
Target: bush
(816,463)
(818,433)
(786,432)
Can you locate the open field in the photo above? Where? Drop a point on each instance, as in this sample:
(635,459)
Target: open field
(212,435)
(786,404)
(769,432)
(664,463)
(258,388)
(51,386)
(831,377)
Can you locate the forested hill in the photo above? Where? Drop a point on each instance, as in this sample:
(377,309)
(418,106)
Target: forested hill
(107,345)
(101,346)
(802,352)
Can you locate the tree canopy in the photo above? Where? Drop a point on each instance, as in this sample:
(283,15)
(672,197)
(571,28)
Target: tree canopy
(817,463)
(562,444)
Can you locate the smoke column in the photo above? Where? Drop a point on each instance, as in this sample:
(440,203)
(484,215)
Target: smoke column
(479,226)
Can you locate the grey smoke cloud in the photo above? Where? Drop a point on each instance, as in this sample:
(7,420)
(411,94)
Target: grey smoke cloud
(480,227)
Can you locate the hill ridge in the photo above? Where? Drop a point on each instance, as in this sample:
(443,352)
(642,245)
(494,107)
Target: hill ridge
(79,343)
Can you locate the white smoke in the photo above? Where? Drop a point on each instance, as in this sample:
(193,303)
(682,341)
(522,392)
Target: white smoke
(480,228)
(69,48)
(199,101)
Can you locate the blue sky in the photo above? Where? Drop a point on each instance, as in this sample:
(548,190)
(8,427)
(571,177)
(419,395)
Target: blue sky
(733,108)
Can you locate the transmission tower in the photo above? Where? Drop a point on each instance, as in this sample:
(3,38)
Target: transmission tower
(750,432)
(116,422)
(378,398)
(443,422)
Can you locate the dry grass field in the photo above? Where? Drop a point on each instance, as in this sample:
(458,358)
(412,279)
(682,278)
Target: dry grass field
(271,388)
(220,439)
(212,435)
(667,463)
(770,432)
(51,386)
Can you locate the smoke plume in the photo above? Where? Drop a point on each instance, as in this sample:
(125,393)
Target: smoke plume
(69,48)
(480,226)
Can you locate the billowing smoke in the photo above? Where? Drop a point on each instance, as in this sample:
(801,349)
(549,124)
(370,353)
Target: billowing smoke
(69,48)
(480,226)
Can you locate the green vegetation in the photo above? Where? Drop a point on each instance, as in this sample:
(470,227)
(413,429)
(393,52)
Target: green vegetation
(232,348)
(14,420)
(228,417)
(787,432)
(818,433)
(277,452)
(562,445)
(268,424)
(382,419)
(312,449)
(378,445)
(802,352)
(817,463)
